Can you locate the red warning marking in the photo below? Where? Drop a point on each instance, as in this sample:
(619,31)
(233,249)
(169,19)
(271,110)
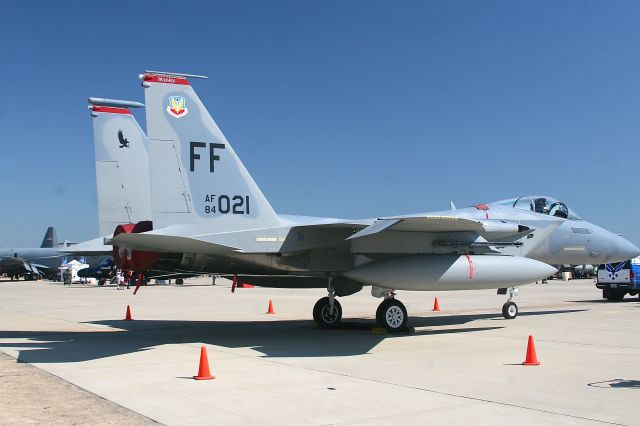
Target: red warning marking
(472,268)
(165,79)
(112,110)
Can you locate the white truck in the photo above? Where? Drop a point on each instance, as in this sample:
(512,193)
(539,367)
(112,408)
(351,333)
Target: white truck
(617,279)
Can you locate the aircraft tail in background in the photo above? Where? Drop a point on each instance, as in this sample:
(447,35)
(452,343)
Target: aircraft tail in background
(50,239)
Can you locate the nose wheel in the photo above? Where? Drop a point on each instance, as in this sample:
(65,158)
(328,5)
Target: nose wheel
(510,309)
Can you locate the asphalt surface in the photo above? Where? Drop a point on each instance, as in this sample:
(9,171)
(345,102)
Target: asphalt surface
(460,366)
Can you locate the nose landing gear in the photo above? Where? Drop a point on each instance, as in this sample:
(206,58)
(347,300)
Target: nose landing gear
(510,309)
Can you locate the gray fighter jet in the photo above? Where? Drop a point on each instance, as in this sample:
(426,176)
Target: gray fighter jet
(32,263)
(209,215)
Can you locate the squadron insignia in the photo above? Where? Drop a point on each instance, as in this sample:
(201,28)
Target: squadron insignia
(177,106)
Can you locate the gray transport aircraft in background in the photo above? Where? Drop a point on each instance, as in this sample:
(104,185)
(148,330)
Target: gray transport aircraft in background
(209,216)
(32,263)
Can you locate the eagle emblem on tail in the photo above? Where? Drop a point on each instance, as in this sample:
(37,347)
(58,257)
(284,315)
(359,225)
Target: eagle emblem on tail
(124,142)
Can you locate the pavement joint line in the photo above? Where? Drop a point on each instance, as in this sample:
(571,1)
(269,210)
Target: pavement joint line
(562,342)
(472,398)
(213,348)
(394,416)
(586,344)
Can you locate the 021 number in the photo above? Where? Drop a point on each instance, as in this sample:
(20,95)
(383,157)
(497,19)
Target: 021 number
(234,205)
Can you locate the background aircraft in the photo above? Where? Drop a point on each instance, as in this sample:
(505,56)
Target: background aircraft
(33,263)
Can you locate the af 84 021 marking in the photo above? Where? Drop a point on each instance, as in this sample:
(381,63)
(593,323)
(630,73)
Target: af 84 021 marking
(227,204)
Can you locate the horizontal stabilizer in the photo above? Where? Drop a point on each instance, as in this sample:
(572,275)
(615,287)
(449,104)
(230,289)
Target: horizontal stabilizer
(95,247)
(168,244)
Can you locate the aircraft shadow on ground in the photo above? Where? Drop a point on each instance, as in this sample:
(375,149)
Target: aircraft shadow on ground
(616,383)
(605,301)
(299,338)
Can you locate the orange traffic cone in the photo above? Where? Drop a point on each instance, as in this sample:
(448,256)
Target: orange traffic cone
(128,316)
(532,358)
(203,369)
(436,305)
(270,310)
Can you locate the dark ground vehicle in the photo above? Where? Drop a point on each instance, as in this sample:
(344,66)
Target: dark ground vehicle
(617,279)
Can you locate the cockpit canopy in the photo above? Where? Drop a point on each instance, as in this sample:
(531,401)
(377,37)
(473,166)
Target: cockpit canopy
(540,204)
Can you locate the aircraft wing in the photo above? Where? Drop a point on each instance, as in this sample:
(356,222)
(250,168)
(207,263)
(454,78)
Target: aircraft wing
(441,224)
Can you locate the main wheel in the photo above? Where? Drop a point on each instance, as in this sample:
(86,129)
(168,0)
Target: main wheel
(179,281)
(509,310)
(392,315)
(615,296)
(324,315)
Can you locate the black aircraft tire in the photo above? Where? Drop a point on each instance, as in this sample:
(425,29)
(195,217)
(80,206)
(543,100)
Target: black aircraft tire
(322,315)
(392,315)
(509,310)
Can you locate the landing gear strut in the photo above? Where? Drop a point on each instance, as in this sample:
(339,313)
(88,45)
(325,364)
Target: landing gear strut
(327,311)
(391,313)
(510,309)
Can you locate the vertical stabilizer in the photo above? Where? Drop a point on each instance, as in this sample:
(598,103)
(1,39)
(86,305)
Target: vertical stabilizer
(122,164)
(196,176)
(50,239)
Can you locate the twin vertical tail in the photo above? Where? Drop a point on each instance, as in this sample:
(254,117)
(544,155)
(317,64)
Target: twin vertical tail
(196,176)
(122,164)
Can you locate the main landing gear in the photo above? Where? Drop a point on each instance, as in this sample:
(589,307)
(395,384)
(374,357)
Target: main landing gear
(327,311)
(391,313)
(510,309)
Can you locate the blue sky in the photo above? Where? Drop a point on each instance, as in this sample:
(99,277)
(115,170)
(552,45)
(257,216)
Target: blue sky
(343,109)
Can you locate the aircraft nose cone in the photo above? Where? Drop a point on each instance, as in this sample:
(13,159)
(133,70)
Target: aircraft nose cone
(625,250)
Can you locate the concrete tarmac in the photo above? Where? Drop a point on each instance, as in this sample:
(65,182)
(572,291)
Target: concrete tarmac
(461,365)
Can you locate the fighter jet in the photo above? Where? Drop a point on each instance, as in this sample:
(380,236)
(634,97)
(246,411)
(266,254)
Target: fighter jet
(209,215)
(32,263)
